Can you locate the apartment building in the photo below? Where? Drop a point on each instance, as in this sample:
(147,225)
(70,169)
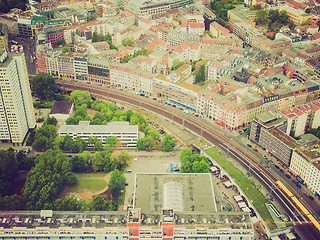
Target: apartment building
(190,51)
(177,88)
(24,28)
(98,71)
(54,34)
(142,8)
(66,65)
(125,133)
(52,63)
(3,37)
(16,106)
(305,165)
(302,118)
(121,74)
(81,66)
(297,16)
(176,38)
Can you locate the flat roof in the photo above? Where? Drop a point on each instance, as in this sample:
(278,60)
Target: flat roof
(197,192)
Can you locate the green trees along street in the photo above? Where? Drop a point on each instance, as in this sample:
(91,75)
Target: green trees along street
(44,86)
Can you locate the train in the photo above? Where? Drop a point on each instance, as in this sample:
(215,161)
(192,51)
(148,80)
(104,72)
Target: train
(298,204)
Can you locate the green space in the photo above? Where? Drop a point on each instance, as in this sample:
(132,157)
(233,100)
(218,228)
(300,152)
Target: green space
(89,185)
(202,143)
(92,175)
(247,186)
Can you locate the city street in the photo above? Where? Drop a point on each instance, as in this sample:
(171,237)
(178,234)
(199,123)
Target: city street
(26,43)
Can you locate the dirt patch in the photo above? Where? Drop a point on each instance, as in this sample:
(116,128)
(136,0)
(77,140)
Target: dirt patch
(91,112)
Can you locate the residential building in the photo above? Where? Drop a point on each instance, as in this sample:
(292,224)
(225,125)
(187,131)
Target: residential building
(3,37)
(52,63)
(61,110)
(177,88)
(297,16)
(66,65)
(176,38)
(81,66)
(305,165)
(125,133)
(141,8)
(302,118)
(24,28)
(121,74)
(196,28)
(16,106)
(98,71)
(54,34)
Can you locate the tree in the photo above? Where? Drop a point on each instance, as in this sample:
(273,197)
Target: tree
(98,146)
(200,167)
(52,121)
(66,49)
(108,39)
(123,159)
(81,97)
(140,144)
(94,37)
(61,42)
(168,143)
(100,203)
(128,41)
(44,86)
(117,184)
(46,179)
(262,16)
(153,133)
(200,75)
(8,170)
(97,162)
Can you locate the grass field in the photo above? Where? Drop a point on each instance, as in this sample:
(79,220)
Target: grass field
(88,185)
(91,175)
(246,185)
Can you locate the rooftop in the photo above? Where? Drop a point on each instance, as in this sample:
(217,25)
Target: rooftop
(184,191)
(61,107)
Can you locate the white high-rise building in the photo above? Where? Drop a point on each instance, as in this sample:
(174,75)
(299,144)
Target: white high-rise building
(16,107)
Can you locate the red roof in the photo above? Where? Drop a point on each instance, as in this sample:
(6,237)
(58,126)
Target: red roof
(196,25)
(152,45)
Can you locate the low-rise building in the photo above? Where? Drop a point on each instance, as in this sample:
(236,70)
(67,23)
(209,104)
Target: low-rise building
(61,110)
(125,133)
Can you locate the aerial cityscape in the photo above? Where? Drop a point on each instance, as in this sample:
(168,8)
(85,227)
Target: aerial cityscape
(160,119)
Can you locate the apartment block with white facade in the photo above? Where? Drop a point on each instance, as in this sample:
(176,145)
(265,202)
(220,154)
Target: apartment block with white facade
(125,133)
(305,164)
(16,106)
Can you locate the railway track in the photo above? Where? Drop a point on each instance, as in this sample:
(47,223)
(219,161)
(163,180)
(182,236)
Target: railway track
(245,158)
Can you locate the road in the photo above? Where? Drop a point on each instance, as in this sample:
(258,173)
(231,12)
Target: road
(267,176)
(26,43)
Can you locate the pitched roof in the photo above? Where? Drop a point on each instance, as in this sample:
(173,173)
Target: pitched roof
(61,107)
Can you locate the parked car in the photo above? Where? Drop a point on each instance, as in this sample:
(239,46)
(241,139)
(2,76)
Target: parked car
(276,166)
(249,145)
(298,185)
(281,170)
(256,150)
(288,176)
(294,181)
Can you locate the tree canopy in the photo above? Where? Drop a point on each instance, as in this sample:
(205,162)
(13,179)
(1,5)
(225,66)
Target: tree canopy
(168,143)
(116,184)
(201,75)
(44,86)
(193,163)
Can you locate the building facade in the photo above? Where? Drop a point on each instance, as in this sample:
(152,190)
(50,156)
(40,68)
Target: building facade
(125,133)
(16,106)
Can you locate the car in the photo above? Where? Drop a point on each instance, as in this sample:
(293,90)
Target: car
(249,145)
(294,181)
(256,150)
(288,176)
(307,194)
(174,105)
(128,171)
(276,166)
(196,115)
(154,98)
(264,156)
(298,185)
(281,170)
(37,99)
(311,197)
(127,184)
(136,159)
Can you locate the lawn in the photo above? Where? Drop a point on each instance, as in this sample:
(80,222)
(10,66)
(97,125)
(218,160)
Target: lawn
(88,185)
(246,185)
(92,175)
